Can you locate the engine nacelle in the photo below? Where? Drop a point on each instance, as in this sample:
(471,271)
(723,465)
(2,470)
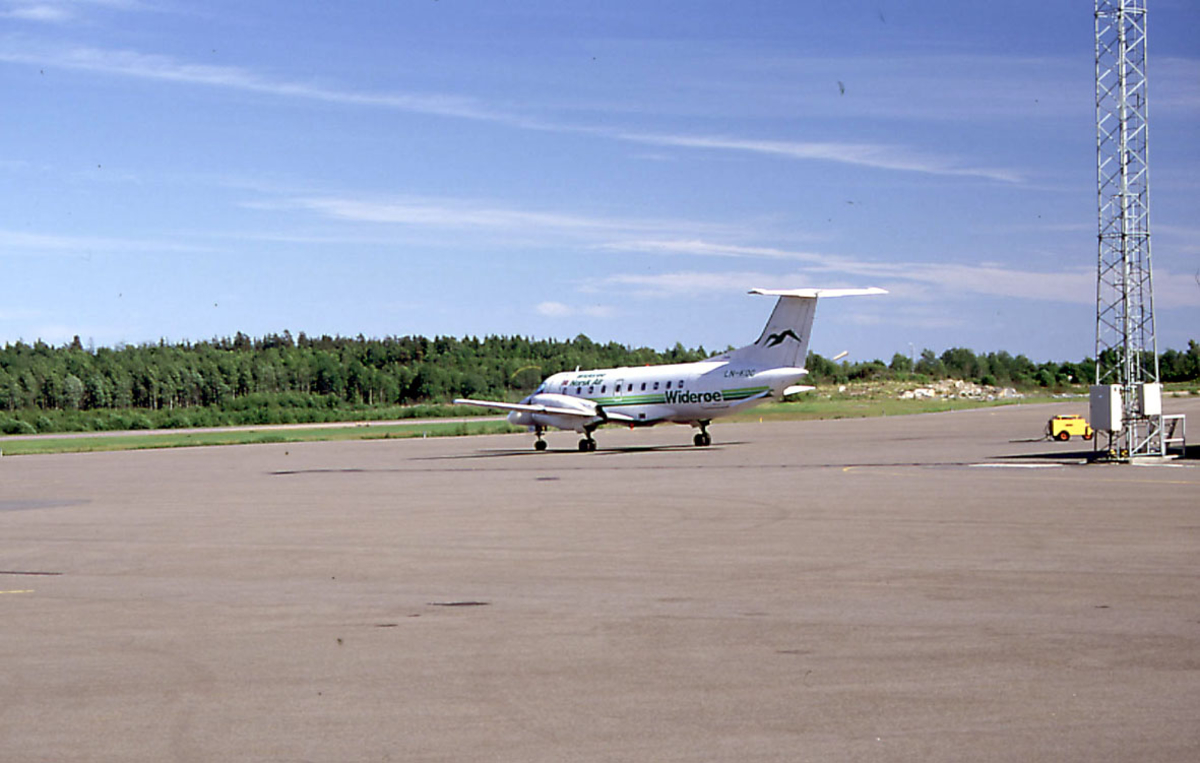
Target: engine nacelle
(548,418)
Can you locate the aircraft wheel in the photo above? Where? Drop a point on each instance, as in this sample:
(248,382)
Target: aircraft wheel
(539,445)
(702,439)
(587,445)
(592,445)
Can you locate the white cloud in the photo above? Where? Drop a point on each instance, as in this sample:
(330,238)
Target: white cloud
(554,309)
(560,310)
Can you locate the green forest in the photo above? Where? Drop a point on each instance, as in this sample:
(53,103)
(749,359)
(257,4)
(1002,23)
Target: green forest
(284,379)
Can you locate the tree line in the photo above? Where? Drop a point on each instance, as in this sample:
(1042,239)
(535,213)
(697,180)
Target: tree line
(279,378)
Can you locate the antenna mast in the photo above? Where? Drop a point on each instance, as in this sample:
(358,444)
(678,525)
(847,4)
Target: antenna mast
(1126,401)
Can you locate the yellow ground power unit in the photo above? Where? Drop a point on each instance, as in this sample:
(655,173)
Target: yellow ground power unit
(1061,428)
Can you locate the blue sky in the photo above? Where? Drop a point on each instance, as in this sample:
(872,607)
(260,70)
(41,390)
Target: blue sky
(627,170)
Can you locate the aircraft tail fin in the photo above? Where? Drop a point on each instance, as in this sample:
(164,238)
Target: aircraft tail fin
(784,340)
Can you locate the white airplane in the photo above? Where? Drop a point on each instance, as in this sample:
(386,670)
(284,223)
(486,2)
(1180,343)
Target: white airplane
(681,393)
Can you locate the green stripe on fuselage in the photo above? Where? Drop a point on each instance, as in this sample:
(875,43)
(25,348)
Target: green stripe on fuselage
(660,398)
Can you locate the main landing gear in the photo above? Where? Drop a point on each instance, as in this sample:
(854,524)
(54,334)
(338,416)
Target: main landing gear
(587,444)
(702,438)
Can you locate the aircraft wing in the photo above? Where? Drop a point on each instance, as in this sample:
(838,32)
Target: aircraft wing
(519,407)
(548,409)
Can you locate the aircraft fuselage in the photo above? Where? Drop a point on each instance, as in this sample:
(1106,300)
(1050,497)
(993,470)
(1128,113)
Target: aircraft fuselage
(641,396)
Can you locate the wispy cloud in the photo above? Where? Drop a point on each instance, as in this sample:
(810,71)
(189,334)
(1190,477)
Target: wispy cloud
(682,283)
(51,13)
(877,156)
(469,214)
(59,11)
(133,64)
(912,282)
(699,248)
(128,63)
(920,281)
(23,242)
(1177,85)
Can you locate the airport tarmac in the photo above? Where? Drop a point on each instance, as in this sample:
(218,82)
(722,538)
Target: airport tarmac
(941,587)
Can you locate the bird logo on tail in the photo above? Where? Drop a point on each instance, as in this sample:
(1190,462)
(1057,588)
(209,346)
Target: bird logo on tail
(775,339)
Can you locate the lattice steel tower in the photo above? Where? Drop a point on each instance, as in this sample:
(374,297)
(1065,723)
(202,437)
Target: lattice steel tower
(1126,350)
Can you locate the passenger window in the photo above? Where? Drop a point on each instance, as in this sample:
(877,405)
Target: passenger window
(579,390)
(668,385)
(681,383)
(643,386)
(617,388)
(656,385)
(603,388)
(591,390)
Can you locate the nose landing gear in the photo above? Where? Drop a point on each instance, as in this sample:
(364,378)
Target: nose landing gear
(702,438)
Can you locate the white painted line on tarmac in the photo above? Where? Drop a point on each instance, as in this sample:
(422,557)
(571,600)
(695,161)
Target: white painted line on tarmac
(1015,466)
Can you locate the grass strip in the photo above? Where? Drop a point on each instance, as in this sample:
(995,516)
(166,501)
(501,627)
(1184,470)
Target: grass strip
(812,408)
(185,439)
(817,408)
